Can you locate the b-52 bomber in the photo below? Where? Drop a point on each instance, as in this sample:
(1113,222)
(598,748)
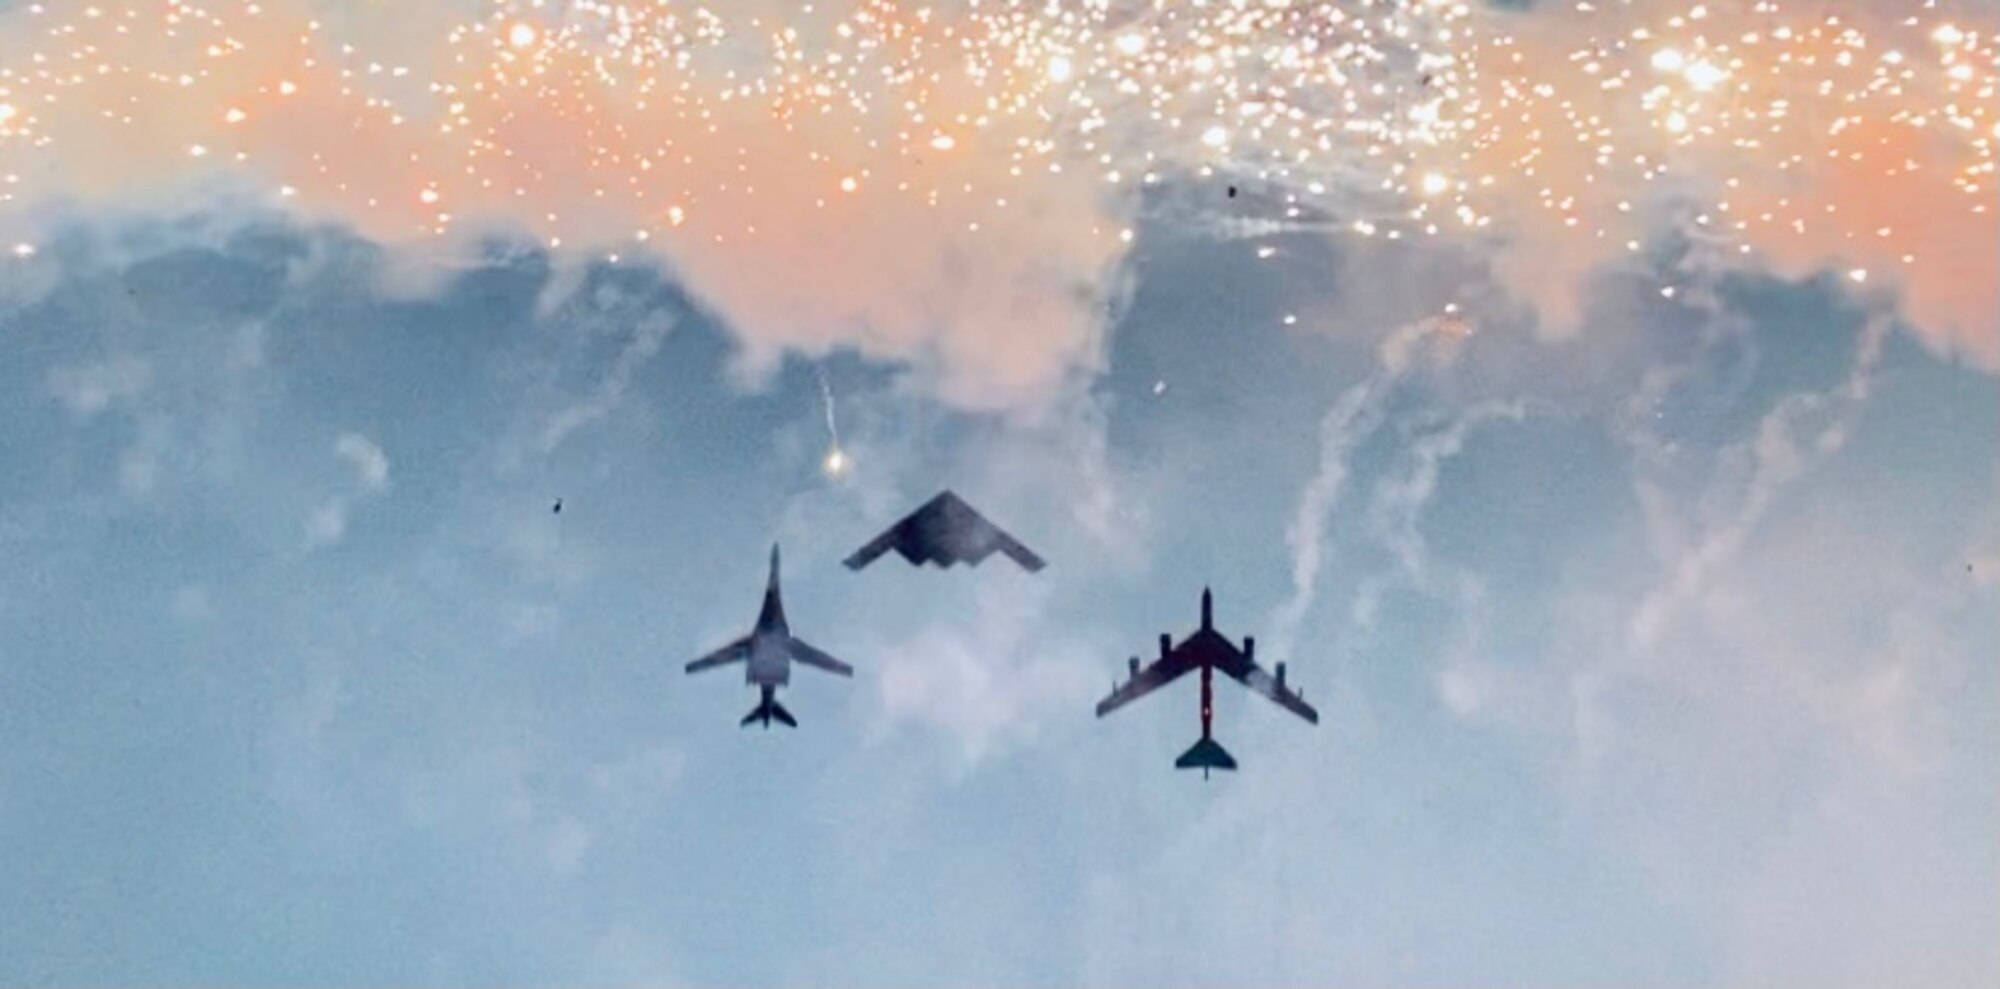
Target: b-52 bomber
(767,654)
(1206,650)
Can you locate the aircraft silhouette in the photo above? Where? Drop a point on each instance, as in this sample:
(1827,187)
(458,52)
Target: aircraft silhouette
(767,654)
(945,531)
(1206,650)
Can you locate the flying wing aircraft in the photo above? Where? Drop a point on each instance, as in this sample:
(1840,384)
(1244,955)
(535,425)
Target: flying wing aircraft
(1206,650)
(945,531)
(767,654)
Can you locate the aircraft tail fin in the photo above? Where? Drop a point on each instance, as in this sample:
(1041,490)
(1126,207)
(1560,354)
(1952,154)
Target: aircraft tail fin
(1206,754)
(766,710)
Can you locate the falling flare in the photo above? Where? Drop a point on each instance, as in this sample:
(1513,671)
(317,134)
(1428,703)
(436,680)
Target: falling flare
(836,463)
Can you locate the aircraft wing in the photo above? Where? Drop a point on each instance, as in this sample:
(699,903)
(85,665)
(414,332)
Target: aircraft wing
(735,652)
(1163,671)
(1015,551)
(1245,671)
(804,652)
(881,544)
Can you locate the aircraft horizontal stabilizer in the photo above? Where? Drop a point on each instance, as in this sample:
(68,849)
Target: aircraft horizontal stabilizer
(1206,754)
(767,710)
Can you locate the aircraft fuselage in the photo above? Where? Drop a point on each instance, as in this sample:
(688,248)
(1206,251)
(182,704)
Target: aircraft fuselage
(770,662)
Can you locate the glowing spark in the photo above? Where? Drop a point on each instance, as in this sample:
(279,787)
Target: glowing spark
(1404,117)
(1704,75)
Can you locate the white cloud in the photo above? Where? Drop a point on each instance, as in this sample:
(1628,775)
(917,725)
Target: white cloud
(648,334)
(990,677)
(92,388)
(370,464)
(327,524)
(1463,689)
(1803,428)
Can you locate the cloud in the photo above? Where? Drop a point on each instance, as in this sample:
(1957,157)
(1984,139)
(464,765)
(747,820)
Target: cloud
(647,335)
(987,257)
(1770,460)
(990,678)
(1773,779)
(1786,201)
(327,524)
(997,309)
(1770,717)
(371,465)
(1464,689)
(92,388)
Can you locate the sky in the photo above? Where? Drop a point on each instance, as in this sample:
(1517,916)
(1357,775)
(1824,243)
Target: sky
(1615,466)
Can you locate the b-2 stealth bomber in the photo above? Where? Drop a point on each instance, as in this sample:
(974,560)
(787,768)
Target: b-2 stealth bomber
(945,531)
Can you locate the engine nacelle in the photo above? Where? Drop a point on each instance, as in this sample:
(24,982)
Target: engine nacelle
(1250,648)
(1132,667)
(1281,675)
(1166,644)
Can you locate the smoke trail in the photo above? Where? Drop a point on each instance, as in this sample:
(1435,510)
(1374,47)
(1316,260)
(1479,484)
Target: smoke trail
(1356,415)
(836,462)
